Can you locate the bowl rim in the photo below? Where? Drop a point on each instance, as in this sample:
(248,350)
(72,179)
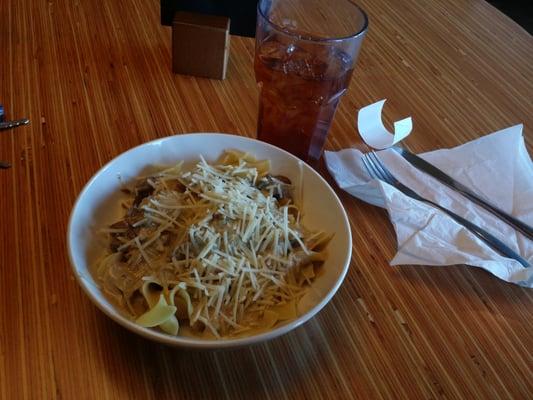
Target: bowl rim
(196,343)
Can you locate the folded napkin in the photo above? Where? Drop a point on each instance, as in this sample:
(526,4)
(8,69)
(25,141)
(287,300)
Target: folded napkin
(496,166)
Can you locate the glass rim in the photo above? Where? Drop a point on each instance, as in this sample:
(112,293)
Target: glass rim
(286,31)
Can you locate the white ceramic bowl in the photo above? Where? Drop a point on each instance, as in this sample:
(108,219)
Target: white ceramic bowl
(98,205)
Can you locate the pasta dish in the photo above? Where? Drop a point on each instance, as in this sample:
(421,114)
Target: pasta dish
(216,250)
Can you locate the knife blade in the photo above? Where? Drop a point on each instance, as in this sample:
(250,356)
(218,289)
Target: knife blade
(13,124)
(446,179)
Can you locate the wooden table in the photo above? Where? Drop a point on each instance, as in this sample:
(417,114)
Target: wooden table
(95,80)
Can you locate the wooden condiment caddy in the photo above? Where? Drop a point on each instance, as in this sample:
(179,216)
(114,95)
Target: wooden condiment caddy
(200,44)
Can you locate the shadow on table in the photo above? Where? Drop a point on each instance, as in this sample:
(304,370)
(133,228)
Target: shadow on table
(287,365)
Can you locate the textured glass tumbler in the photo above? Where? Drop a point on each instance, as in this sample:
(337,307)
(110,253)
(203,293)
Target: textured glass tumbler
(305,54)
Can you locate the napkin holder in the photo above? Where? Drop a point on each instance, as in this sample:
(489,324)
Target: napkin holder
(200,44)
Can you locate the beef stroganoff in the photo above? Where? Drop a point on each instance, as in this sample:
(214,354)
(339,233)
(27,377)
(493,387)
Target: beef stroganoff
(216,251)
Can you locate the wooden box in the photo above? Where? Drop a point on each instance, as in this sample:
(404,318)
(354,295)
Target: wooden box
(200,44)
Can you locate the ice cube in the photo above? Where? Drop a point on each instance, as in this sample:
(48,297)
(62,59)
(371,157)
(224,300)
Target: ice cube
(272,53)
(304,64)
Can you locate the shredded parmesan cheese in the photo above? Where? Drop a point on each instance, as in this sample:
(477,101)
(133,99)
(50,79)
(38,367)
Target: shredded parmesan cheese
(222,242)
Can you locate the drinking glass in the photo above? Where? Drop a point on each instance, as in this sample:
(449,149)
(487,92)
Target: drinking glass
(305,54)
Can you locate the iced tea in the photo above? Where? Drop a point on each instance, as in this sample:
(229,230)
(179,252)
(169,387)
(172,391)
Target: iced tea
(300,91)
(305,52)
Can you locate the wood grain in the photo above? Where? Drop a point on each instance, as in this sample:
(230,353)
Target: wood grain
(95,79)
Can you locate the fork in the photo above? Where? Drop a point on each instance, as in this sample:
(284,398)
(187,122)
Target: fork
(13,124)
(376,169)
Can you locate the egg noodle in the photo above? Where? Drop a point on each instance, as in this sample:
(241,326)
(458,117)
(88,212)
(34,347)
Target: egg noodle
(215,251)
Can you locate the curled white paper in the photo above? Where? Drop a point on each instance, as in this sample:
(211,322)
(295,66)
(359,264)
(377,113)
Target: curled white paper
(373,131)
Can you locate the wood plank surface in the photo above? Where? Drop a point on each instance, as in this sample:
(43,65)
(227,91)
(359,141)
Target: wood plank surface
(95,79)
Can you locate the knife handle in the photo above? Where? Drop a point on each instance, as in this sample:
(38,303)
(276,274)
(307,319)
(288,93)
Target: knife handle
(447,180)
(525,229)
(491,240)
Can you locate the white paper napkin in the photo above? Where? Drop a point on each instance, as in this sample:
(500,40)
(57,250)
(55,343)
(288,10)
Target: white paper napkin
(496,166)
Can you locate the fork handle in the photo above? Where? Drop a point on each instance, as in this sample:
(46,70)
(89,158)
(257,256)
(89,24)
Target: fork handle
(488,238)
(446,179)
(516,223)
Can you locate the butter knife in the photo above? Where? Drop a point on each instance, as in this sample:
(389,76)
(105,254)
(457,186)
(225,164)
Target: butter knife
(13,124)
(441,176)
